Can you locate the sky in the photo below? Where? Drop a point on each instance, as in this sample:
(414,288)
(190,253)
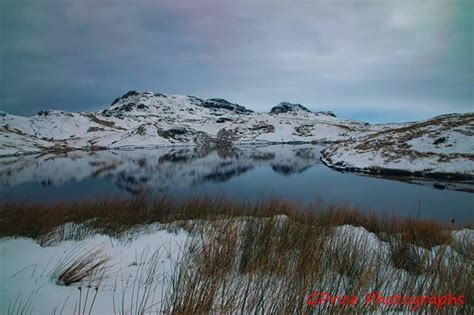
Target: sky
(370,60)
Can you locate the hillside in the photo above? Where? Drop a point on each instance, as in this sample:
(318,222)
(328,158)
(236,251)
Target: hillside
(441,147)
(145,119)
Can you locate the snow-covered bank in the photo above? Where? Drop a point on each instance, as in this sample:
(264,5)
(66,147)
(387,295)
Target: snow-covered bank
(151,269)
(442,147)
(140,265)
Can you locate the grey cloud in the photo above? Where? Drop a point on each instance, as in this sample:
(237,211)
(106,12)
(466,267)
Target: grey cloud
(407,59)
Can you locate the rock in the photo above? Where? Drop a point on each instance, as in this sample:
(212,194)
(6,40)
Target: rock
(43,113)
(160,95)
(94,129)
(141,130)
(173,133)
(286,107)
(127,107)
(263,127)
(223,120)
(440,140)
(126,95)
(327,113)
(195,100)
(304,129)
(220,103)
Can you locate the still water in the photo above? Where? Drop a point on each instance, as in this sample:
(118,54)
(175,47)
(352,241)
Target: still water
(289,171)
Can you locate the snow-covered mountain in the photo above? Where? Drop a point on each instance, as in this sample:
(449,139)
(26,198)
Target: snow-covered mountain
(145,119)
(442,146)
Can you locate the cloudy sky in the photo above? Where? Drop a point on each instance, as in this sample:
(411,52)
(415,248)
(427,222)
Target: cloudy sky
(373,60)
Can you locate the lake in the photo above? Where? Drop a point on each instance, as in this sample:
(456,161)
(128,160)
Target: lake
(289,171)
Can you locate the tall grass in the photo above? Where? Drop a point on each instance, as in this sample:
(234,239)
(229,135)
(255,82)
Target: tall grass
(114,216)
(271,265)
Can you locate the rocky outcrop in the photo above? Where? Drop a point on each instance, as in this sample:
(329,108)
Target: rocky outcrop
(326,113)
(287,107)
(220,103)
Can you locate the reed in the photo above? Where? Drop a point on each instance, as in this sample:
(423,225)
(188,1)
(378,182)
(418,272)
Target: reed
(114,216)
(271,265)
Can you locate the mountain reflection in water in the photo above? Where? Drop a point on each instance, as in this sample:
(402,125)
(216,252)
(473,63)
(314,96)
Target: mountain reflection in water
(287,171)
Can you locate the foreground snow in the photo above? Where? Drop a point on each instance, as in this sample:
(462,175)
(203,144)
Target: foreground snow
(27,273)
(142,263)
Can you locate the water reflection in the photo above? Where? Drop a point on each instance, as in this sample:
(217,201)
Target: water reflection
(158,169)
(288,171)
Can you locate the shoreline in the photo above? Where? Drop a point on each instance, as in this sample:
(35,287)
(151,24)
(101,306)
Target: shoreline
(113,215)
(398,173)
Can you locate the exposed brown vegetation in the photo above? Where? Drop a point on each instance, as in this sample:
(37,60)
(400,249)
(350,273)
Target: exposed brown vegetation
(392,143)
(115,215)
(94,129)
(270,265)
(81,266)
(105,123)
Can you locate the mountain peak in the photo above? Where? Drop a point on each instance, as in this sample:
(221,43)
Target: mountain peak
(220,103)
(287,107)
(134,95)
(146,103)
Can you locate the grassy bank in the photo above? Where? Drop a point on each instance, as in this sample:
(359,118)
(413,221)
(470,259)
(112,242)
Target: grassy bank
(113,216)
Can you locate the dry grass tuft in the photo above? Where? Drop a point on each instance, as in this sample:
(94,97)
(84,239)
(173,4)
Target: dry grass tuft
(81,266)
